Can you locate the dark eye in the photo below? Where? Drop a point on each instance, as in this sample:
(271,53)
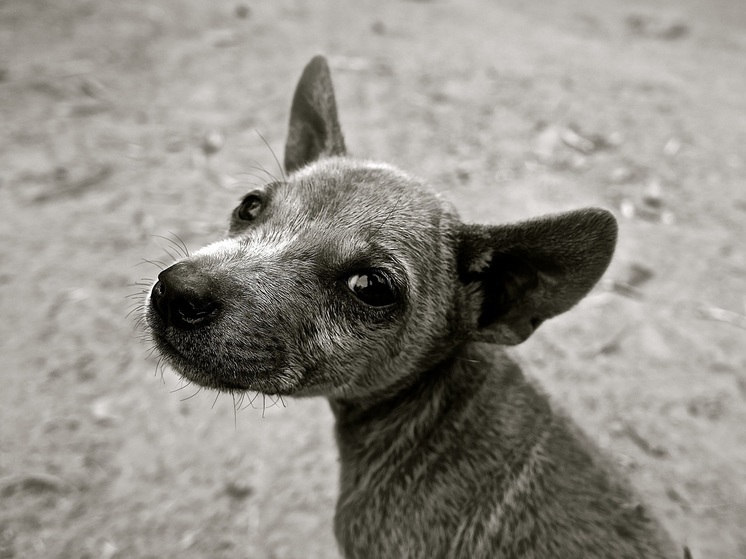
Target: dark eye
(251,206)
(372,287)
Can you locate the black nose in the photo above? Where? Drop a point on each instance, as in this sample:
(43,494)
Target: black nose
(184,297)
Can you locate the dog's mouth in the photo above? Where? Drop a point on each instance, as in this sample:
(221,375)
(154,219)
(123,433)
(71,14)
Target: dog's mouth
(198,360)
(184,366)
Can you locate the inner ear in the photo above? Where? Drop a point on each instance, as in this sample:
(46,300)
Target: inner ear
(314,129)
(519,275)
(513,278)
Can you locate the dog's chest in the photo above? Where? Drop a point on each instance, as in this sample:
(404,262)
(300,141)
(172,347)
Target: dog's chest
(399,513)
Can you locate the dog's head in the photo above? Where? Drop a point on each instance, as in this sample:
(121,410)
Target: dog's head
(349,278)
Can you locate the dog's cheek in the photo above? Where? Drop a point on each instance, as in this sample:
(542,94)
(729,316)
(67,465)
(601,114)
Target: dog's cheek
(318,343)
(257,348)
(360,357)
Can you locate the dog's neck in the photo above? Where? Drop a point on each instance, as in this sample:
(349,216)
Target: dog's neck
(442,394)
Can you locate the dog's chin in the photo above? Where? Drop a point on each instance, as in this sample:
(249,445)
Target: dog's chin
(282,383)
(212,381)
(267,382)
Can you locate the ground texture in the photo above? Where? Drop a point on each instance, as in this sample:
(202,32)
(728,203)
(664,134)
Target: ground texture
(124,121)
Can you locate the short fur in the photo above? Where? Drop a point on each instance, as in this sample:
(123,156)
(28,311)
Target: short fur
(446,450)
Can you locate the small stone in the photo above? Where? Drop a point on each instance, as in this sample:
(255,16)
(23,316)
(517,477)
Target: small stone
(238,489)
(672,147)
(547,142)
(621,175)
(637,274)
(378,28)
(673,30)
(93,88)
(36,482)
(242,11)
(653,195)
(577,142)
(212,142)
(102,414)
(463,175)
(627,209)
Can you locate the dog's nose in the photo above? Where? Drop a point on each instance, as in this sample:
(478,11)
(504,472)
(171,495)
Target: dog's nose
(183,297)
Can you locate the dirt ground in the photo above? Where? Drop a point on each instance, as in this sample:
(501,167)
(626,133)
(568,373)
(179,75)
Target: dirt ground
(109,114)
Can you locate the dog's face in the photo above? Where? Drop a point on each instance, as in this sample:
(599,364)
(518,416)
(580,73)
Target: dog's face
(320,276)
(350,278)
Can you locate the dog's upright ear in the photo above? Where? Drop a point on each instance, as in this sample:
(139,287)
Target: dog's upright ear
(518,275)
(314,127)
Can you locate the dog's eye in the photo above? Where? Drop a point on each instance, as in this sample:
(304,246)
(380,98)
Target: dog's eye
(251,206)
(372,287)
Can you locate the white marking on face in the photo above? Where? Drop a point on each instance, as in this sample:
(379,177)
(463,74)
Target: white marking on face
(262,247)
(220,249)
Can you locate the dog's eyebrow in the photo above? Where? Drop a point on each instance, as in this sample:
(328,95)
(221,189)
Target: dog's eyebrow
(376,255)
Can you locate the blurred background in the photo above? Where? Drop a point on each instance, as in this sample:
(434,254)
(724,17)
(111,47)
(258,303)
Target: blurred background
(125,122)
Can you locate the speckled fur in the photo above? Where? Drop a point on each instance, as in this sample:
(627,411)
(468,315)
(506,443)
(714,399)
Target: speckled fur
(446,450)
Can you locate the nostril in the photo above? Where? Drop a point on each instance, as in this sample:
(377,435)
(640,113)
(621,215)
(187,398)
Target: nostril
(158,300)
(159,290)
(194,312)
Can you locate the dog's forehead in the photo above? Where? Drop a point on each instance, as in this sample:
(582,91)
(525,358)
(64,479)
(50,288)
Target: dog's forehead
(356,195)
(339,211)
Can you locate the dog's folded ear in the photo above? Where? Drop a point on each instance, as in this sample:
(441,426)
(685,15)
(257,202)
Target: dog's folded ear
(314,127)
(518,275)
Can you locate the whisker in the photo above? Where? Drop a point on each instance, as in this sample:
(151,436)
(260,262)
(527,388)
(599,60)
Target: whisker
(174,258)
(180,248)
(182,243)
(193,395)
(138,312)
(240,400)
(157,263)
(138,307)
(259,177)
(183,386)
(140,293)
(275,400)
(246,182)
(282,171)
(248,401)
(259,167)
(135,306)
(158,367)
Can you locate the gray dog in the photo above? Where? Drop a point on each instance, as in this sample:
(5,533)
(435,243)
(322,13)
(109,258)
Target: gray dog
(353,280)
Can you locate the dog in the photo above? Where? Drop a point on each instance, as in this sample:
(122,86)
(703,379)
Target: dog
(353,280)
